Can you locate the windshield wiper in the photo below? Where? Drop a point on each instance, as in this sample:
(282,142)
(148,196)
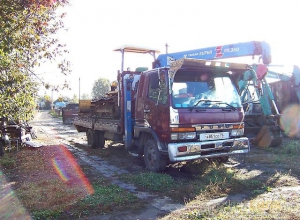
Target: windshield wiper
(198,102)
(207,102)
(231,106)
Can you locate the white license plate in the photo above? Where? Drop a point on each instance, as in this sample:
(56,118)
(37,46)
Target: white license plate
(214,136)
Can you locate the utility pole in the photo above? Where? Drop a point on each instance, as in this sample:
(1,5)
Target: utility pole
(79,90)
(52,105)
(167,46)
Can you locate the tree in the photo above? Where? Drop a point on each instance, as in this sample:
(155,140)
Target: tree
(27,39)
(74,99)
(85,96)
(47,102)
(100,87)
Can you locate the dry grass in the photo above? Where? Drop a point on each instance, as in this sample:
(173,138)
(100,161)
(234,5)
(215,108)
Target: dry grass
(260,208)
(262,189)
(50,183)
(42,184)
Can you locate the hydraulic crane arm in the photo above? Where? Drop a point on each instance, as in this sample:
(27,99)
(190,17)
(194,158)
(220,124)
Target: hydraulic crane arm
(251,48)
(258,78)
(268,126)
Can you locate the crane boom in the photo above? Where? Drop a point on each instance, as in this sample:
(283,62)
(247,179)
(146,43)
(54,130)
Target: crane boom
(251,48)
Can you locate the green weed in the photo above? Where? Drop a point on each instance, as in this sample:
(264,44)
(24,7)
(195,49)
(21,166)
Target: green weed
(107,198)
(292,148)
(151,181)
(54,114)
(46,214)
(277,159)
(8,161)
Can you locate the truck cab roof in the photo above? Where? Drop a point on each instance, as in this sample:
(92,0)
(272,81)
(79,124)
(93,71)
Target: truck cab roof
(209,64)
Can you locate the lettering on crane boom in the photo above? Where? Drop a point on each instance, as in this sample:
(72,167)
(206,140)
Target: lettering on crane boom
(219,52)
(200,53)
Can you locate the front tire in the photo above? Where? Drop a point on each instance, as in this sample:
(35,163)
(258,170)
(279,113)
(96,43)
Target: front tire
(153,158)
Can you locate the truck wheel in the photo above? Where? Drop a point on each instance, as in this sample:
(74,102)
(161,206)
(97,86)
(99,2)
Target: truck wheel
(1,148)
(92,138)
(153,159)
(101,139)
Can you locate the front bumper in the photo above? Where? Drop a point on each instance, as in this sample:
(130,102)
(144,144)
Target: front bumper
(208,149)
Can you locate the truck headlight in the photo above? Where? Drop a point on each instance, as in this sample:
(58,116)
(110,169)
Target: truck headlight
(183,133)
(183,136)
(237,132)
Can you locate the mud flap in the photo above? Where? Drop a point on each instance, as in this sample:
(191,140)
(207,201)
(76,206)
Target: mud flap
(267,137)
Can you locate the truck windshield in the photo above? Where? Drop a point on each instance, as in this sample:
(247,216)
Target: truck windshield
(210,92)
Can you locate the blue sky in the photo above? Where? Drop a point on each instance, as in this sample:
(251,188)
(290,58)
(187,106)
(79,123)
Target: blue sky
(96,27)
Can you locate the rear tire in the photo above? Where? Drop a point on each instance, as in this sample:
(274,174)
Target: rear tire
(92,138)
(153,158)
(101,139)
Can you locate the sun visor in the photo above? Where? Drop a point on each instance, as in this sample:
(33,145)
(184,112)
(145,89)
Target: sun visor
(195,64)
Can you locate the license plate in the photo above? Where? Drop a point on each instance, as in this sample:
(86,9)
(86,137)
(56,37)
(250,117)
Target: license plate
(214,136)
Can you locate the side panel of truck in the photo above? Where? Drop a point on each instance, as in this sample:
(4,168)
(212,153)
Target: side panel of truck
(152,109)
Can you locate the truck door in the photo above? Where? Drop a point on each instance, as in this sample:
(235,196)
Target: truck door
(155,102)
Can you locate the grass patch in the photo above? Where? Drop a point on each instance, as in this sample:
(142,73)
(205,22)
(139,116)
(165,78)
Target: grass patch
(155,182)
(259,206)
(215,180)
(53,199)
(54,114)
(258,184)
(51,185)
(256,209)
(51,195)
(8,160)
(292,148)
(280,179)
(286,153)
(46,214)
(106,199)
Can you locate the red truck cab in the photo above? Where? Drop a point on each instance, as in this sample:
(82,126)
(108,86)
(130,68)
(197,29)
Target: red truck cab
(189,111)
